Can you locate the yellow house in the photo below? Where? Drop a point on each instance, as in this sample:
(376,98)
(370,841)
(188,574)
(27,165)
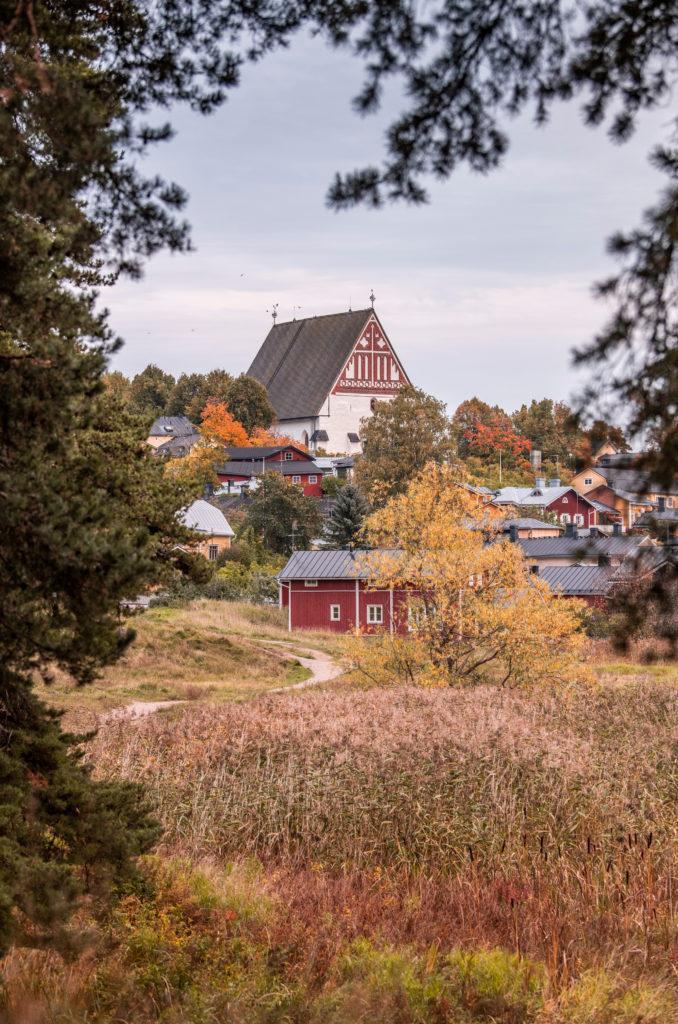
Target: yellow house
(617,480)
(211,527)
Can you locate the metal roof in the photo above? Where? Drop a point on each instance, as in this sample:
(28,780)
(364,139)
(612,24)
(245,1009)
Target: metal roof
(206,518)
(537,496)
(262,452)
(300,360)
(292,468)
(172,426)
(578,547)
(578,580)
(330,565)
(530,524)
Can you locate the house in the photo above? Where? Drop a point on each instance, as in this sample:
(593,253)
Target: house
(527,528)
(331,590)
(176,447)
(618,480)
(323,375)
(571,549)
(166,427)
(211,526)
(246,466)
(565,504)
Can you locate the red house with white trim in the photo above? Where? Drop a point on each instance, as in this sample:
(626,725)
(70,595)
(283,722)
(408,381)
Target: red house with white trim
(331,590)
(245,466)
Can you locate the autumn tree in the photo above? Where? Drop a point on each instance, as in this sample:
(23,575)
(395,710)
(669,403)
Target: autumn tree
(266,438)
(399,439)
(476,614)
(282,515)
(219,427)
(550,427)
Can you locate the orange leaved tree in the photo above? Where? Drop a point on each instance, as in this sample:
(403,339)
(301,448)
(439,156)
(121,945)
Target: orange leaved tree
(268,439)
(478,615)
(218,426)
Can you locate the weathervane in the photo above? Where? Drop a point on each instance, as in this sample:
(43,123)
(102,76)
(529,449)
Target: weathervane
(294,312)
(372,297)
(274,311)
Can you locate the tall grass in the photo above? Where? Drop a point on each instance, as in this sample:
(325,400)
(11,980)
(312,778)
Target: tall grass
(540,822)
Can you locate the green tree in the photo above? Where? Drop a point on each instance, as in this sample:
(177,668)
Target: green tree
(283,515)
(345,522)
(248,402)
(188,388)
(213,388)
(399,439)
(150,392)
(551,427)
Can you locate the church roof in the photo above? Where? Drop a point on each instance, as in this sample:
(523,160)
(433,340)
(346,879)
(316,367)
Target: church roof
(300,360)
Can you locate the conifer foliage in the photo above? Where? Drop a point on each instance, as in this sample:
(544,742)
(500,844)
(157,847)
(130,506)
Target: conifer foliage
(344,526)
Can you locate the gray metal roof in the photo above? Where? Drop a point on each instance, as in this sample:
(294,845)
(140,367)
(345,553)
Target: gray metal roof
(261,452)
(536,496)
(330,565)
(529,524)
(172,426)
(633,481)
(236,467)
(578,547)
(177,446)
(206,518)
(578,580)
(300,360)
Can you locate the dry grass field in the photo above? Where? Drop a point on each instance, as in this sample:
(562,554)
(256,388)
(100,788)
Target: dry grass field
(354,855)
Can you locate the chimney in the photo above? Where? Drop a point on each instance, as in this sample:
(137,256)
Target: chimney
(661,503)
(535,460)
(603,560)
(571,530)
(616,529)
(555,482)
(513,533)
(540,483)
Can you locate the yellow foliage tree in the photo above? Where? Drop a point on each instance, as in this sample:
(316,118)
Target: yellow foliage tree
(477,614)
(198,467)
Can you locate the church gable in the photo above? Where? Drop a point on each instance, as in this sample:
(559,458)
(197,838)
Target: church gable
(372,366)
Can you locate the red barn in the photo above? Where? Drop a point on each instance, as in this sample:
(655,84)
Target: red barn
(331,590)
(247,464)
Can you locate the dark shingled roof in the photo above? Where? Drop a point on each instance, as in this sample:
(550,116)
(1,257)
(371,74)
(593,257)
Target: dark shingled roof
(300,360)
(172,426)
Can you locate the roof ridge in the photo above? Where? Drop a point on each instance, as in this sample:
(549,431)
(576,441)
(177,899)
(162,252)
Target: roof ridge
(323,316)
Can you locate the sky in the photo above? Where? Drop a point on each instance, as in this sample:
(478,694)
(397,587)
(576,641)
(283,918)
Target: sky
(484,291)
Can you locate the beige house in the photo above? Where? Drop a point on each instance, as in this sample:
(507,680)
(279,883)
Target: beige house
(166,428)
(211,527)
(617,480)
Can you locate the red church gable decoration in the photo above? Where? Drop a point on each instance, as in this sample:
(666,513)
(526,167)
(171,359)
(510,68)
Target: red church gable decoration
(372,366)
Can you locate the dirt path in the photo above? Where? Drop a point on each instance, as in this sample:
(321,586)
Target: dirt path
(322,666)
(137,709)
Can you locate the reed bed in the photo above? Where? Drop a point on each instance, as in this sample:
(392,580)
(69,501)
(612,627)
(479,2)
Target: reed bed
(546,820)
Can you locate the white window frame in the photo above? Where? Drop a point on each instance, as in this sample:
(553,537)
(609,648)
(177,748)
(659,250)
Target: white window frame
(212,552)
(335,613)
(565,517)
(310,583)
(579,519)
(296,479)
(565,500)
(288,456)
(313,478)
(375,615)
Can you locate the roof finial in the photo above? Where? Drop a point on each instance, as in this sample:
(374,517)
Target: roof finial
(372,297)
(274,311)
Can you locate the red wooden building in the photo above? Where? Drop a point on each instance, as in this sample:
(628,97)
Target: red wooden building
(246,465)
(331,590)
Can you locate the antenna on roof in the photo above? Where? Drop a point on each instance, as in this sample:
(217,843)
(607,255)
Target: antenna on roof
(274,311)
(372,297)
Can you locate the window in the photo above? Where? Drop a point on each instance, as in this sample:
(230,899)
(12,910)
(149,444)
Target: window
(564,518)
(310,583)
(296,479)
(375,614)
(669,502)
(565,501)
(213,552)
(313,479)
(579,519)
(588,480)
(288,456)
(335,613)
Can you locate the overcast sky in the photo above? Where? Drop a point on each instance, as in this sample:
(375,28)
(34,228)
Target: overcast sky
(484,291)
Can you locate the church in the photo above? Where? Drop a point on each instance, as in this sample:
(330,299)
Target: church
(323,375)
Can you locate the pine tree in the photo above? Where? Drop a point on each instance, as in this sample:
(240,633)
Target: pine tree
(345,523)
